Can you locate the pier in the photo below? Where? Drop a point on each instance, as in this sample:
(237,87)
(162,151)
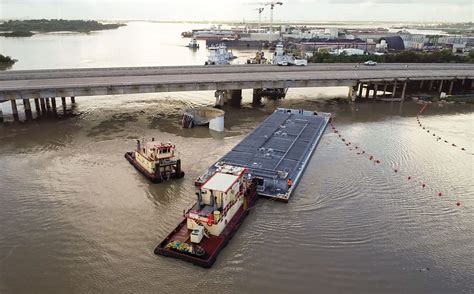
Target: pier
(277,151)
(228,81)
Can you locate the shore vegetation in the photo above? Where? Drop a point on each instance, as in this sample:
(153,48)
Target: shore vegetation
(27,28)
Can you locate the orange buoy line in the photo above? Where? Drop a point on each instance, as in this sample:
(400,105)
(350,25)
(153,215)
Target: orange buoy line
(438,138)
(361,152)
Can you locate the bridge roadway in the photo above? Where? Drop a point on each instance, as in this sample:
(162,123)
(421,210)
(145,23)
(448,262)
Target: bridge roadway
(129,80)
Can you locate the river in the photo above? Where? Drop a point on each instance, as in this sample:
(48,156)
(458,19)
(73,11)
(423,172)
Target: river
(76,217)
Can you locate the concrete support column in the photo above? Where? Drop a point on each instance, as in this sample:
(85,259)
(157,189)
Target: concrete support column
(421,84)
(451,87)
(367,91)
(394,89)
(472,84)
(73,99)
(37,106)
(53,104)
(376,88)
(43,105)
(48,105)
(441,86)
(385,89)
(361,87)
(404,89)
(1,112)
(14,110)
(220,98)
(257,97)
(235,97)
(27,106)
(63,101)
(431,85)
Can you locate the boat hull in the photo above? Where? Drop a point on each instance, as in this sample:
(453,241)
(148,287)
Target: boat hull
(155,178)
(212,245)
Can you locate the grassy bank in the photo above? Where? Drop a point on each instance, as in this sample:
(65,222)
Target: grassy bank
(26,28)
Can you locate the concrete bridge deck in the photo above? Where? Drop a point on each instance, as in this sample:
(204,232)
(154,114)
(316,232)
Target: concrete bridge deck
(129,80)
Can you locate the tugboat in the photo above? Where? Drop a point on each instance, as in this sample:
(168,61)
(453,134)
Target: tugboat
(156,161)
(193,44)
(219,54)
(223,202)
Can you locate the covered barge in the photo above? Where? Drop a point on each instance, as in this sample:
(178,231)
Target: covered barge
(277,151)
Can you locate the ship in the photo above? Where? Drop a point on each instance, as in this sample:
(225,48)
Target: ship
(222,203)
(157,161)
(280,57)
(219,55)
(193,44)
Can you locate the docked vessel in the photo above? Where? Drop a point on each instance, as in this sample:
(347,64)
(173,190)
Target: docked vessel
(280,57)
(223,202)
(193,44)
(219,55)
(157,161)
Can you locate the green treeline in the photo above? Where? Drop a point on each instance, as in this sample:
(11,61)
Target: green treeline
(24,28)
(444,56)
(6,62)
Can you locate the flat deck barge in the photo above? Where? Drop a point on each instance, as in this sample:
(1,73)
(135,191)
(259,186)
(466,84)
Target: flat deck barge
(277,151)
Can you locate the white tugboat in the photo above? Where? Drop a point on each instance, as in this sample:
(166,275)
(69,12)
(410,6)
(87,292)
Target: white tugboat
(280,57)
(157,161)
(219,54)
(222,204)
(193,44)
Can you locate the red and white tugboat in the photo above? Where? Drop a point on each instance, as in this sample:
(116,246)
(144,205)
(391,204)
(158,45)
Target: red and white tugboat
(156,161)
(222,204)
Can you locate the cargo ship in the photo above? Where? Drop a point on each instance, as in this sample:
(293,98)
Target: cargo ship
(156,161)
(223,202)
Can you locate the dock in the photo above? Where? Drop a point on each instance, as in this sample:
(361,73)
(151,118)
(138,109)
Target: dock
(277,152)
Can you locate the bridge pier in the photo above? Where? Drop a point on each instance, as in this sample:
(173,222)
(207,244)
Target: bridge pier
(235,97)
(257,97)
(404,89)
(440,86)
(384,89)
(48,105)
(361,87)
(73,100)
(14,110)
(63,101)
(394,89)
(27,106)
(376,87)
(37,106)
(53,105)
(221,96)
(367,91)
(451,85)
(43,105)
(1,112)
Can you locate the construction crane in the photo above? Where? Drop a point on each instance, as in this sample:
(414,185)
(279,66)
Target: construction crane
(260,10)
(272,4)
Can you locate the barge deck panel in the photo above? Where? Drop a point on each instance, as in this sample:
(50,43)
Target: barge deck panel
(277,150)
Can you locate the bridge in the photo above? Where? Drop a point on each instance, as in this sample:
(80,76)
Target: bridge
(229,79)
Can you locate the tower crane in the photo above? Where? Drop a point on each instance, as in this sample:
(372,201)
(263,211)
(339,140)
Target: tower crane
(260,10)
(272,4)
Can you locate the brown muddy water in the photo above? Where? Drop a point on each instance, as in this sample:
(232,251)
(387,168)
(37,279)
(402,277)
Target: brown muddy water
(75,216)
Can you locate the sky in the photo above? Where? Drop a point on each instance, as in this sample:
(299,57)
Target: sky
(211,10)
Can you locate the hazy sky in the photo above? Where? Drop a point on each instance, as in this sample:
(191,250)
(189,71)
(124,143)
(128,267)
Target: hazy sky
(315,10)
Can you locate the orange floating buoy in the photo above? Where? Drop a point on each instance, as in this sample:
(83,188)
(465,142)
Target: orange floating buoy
(458,203)
(440,194)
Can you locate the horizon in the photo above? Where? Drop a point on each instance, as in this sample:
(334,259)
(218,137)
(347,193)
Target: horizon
(416,11)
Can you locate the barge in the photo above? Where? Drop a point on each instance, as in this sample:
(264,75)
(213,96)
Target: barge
(223,202)
(277,151)
(158,162)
